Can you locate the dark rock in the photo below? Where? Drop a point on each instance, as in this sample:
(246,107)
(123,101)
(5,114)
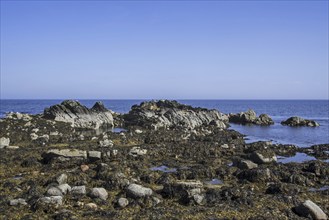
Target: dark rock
(298,121)
(250,117)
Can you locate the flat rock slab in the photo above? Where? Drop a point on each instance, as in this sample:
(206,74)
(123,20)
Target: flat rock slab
(66,153)
(138,191)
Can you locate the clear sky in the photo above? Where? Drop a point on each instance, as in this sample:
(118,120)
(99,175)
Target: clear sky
(164,49)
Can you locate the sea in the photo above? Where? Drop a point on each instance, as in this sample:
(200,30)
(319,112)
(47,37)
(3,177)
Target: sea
(278,110)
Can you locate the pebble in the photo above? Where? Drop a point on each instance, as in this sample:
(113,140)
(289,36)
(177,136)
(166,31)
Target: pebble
(99,193)
(61,179)
(79,190)
(91,206)
(123,202)
(137,191)
(54,191)
(84,167)
(15,202)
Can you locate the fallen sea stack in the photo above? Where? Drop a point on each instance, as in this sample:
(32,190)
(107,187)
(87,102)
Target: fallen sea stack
(298,121)
(79,115)
(171,114)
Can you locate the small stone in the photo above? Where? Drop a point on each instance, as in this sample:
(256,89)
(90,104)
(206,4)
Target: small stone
(99,193)
(91,206)
(123,202)
(79,190)
(137,151)
(12,147)
(61,179)
(137,191)
(4,142)
(64,188)
(310,208)
(34,136)
(95,155)
(84,167)
(225,146)
(198,199)
(54,191)
(106,143)
(137,131)
(260,159)
(15,202)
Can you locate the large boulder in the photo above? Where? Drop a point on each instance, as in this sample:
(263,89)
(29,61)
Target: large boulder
(171,114)
(298,121)
(250,117)
(79,115)
(309,208)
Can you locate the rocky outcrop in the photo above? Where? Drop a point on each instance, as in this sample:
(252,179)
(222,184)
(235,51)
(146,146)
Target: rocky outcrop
(298,121)
(79,115)
(250,117)
(171,114)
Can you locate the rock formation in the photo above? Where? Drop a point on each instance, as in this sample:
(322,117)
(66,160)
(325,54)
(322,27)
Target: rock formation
(171,114)
(250,117)
(298,121)
(79,115)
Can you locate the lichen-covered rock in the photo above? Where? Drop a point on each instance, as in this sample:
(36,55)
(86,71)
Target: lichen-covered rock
(250,117)
(171,114)
(298,121)
(79,115)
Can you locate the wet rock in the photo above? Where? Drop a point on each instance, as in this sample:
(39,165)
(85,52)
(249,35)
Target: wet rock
(250,117)
(246,165)
(4,142)
(260,158)
(94,155)
(99,193)
(137,151)
(309,208)
(54,191)
(79,190)
(61,179)
(79,115)
(298,121)
(123,202)
(170,114)
(15,202)
(138,191)
(64,188)
(69,153)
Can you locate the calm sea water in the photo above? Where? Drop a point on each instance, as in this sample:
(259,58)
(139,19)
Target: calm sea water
(279,110)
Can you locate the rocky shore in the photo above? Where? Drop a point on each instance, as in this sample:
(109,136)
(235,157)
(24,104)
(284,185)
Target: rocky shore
(167,161)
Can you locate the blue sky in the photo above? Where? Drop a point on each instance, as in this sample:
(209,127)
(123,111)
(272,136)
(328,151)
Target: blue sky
(164,49)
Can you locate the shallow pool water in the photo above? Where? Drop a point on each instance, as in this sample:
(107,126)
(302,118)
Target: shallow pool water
(164,169)
(298,158)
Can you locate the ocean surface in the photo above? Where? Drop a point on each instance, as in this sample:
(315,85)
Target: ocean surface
(279,110)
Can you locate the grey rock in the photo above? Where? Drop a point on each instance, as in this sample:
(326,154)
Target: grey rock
(54,191)
(261,159)
(137,151)
(34,136)
(15,202)
(123,202)
(79,115)
(99,193)
(70,153)
(79,190)
(106,143)
(4,142)
(61,179)
(94,155)
(170,114)
(246,165)
(64,188)
(298,121)
(138,191)
(55,200)
(198,199)
(310,208)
